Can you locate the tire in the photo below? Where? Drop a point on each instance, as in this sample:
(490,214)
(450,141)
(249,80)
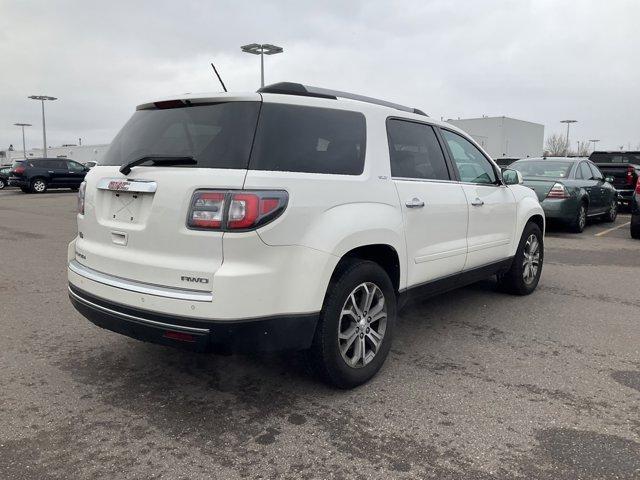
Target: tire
(518,280)
(339,361)
(612,213)
(580,220)
(2,184)
(635,226)
(38,185)
(25,190)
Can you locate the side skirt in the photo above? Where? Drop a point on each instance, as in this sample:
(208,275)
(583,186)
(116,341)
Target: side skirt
(451,282)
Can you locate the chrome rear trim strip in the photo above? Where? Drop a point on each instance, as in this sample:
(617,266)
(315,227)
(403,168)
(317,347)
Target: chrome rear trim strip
(125,185)
(133,318)
(139,287)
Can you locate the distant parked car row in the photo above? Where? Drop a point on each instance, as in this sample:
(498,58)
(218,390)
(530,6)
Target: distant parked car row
(37,175)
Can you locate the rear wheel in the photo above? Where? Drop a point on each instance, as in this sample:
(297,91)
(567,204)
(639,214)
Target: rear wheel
(354,333)
(524,274)
(3,183)
(612,212)
(39,185)
(25,190)
(580,220)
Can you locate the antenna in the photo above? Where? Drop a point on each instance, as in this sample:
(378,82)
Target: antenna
(218,75)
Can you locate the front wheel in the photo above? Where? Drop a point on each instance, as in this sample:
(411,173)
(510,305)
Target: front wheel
(3,183)
(524,274)
(354,333)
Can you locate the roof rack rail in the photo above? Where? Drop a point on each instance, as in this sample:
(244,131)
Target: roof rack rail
(291,88)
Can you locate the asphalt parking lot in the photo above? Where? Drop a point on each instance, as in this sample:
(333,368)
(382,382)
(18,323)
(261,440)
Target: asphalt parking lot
(479,385)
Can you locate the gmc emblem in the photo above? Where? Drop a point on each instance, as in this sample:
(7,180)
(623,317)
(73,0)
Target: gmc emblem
(194,279)
(118,185)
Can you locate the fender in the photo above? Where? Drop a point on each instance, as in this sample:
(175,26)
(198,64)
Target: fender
(527,206)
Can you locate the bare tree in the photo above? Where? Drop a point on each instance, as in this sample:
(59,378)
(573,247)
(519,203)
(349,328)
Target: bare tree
(583,149)
(556,145)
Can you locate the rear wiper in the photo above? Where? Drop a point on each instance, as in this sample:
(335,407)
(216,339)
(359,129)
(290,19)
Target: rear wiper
(158,160)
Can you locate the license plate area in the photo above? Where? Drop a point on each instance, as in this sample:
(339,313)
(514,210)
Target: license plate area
(125,207)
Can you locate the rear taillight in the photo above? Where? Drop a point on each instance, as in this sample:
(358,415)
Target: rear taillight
(232,210)
(81,193)
(18,170)
(630,172)
(558,191)
(638,188)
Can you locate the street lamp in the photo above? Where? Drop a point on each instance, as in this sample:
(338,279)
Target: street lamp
(595,140)
(24,148)
(262,50)
(42,98)
(568,122)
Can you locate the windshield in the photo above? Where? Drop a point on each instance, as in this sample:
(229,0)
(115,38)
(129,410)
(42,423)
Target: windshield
(543,168)
(216,136)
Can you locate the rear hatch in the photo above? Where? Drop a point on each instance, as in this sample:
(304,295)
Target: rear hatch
(135,226)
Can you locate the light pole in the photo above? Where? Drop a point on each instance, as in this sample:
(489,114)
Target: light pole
(42,98)
(24,148)
(568,122)
(261,49)
(595,140)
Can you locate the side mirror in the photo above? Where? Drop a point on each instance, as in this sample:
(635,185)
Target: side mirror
(608,179)
(511,177)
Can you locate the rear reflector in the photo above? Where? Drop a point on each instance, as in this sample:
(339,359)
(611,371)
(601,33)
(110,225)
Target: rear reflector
(180,336)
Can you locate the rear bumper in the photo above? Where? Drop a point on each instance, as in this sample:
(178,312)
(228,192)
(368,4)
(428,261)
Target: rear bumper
(564,209)
(18,182)
(625,195)
(287,332)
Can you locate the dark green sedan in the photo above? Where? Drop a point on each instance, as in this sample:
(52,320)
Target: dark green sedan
(570,190)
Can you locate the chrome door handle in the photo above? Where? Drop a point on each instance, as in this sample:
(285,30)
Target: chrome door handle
(51,171)
(415,202)
(477,202)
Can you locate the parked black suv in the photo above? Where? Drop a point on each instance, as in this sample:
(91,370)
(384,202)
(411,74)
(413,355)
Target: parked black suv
(36,175)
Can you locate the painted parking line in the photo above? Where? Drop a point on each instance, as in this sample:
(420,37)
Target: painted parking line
(609,230)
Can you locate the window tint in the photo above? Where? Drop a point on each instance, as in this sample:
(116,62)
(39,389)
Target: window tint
(75,167)
(597,174)
(293,138)
(216,136)
(414,151)
(585,172)
(472,164)
(543,168)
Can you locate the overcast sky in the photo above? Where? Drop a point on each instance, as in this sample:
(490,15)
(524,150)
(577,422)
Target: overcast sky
(537,60)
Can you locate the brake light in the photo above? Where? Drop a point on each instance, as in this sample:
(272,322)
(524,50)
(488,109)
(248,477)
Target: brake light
(81,194)
(638,188)
(235,209)
(558,191)
(18,170)
(630,172)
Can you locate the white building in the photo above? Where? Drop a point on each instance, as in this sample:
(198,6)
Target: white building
(504,137)
(79,153)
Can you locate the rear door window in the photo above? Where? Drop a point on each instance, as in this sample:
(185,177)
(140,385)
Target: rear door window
(293,138)
(414,151)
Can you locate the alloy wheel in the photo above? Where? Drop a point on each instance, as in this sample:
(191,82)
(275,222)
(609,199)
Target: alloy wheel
(613,210)
(531,261)
(39,186)
(362,325)
(582,217)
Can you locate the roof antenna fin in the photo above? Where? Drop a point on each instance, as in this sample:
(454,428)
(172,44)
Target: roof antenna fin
(218,75)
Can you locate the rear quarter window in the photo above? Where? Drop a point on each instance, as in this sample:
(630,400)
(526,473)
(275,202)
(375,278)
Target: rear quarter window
(292,138)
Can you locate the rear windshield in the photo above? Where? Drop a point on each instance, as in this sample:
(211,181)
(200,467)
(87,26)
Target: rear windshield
(615,158)
(543,168)
(17,163)
(288,137)
(294,138)
(216,136)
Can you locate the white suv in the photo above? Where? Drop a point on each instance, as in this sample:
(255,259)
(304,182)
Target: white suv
(292,218)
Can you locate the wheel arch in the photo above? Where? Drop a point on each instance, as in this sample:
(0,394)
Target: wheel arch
(384,255)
